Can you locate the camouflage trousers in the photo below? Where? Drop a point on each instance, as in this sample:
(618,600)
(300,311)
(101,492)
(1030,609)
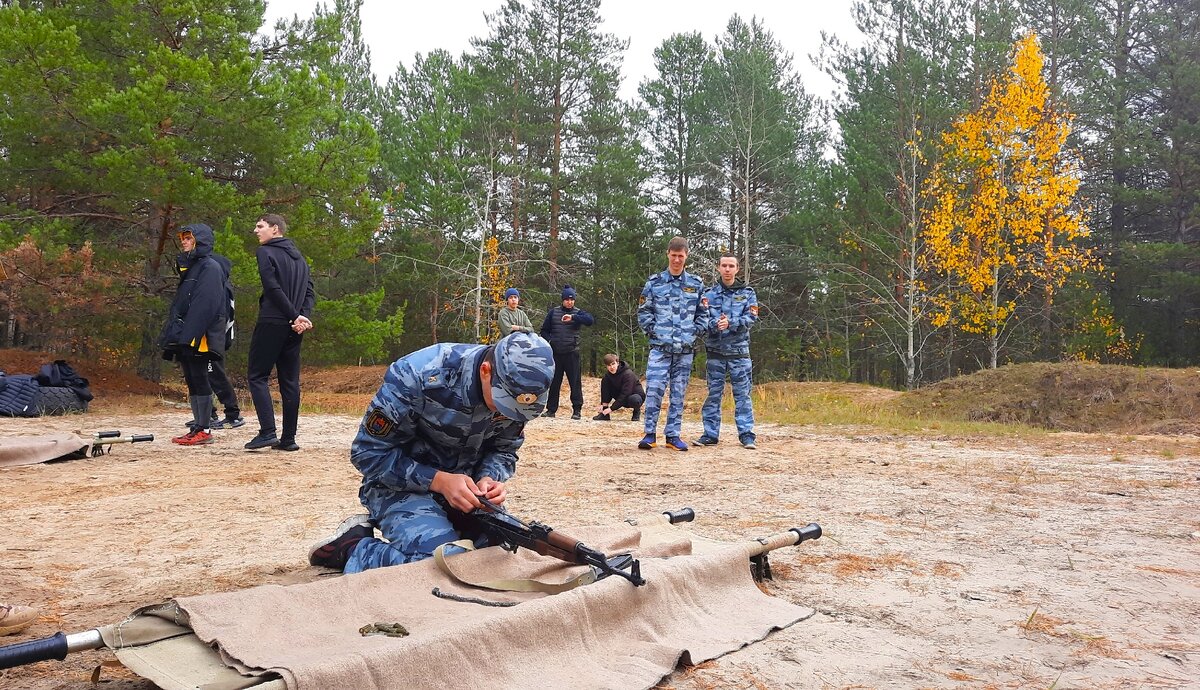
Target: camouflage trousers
(739,373)
(661,368)
(412,525)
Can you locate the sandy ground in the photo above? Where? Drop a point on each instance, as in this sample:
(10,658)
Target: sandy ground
(1065,561)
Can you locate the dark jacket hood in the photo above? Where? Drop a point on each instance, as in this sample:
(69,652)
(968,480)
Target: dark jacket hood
(204,246)
(285,244)
(204,238)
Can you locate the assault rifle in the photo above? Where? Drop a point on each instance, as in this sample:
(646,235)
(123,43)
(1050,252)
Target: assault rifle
(502,529)
(102,442)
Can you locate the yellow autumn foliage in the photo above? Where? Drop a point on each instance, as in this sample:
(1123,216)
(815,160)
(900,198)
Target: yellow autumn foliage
(496,279)
(1002,224)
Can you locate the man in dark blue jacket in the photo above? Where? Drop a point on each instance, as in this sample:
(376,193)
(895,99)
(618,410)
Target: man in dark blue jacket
(195,329)
(561,327)
(217,378)
(283,316)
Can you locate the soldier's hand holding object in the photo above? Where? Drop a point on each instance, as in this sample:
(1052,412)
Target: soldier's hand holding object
(566,317)
(459,489)
(514,327)
(493,490)
(723,322)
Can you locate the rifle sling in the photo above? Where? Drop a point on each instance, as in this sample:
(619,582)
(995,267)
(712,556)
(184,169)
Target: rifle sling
(508,585)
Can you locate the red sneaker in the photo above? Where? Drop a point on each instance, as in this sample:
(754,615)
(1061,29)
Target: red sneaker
(195,438)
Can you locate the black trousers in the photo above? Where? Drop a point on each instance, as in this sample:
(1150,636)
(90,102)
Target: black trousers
(195,371)
(222,388)
(566,363)
(275,346)
(634,401)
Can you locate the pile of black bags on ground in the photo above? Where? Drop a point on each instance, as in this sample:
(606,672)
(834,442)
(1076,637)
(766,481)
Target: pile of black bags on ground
(56,389)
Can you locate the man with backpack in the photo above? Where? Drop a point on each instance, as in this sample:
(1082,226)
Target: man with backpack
(217,377)
(196,326)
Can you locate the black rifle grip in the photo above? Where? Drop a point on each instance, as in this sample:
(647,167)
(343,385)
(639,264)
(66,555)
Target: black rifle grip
(22,653)
(682,515)
(810,531)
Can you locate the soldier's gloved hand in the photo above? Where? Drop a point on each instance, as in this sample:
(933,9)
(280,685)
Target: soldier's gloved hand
(458,489)
(493,490)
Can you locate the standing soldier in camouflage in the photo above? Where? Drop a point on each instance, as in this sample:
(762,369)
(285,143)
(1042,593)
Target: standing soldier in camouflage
(443,429)
(732,310)
(671,313)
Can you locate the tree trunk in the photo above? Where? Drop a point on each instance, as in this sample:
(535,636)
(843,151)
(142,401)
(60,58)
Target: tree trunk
(149,360)
(555,182)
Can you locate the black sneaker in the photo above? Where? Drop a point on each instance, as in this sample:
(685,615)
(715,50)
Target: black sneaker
(287,445)
(548,414)
(637,415)
(576,415)
(706,441)
(262,440)
(229,423)
(602,418)
(335,551)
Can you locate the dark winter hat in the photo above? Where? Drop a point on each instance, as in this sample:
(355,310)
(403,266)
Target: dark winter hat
(521,379)
(511,292)
(568,292)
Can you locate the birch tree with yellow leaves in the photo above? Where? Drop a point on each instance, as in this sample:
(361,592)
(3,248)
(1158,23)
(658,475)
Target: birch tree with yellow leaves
(1002,225)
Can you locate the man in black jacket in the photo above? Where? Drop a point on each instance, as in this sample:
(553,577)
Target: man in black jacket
(284,309)
(619,388)
(195,329)
(561,327)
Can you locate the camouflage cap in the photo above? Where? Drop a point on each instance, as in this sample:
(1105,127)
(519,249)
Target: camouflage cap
(521,381)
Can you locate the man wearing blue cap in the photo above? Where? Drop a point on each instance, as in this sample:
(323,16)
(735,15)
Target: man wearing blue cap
(561,327)
(512,318)
(447,422)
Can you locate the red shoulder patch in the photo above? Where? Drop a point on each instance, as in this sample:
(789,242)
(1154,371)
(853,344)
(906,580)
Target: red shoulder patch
(377,424)
(754,309)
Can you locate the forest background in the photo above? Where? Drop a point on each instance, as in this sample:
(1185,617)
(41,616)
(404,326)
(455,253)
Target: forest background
(993,182)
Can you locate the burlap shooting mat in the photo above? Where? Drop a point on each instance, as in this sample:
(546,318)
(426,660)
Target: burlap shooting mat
(700,602)
(30,450)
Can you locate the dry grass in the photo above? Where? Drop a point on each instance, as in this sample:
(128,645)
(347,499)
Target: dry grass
(1073,396)
(1038,622)
(847,565)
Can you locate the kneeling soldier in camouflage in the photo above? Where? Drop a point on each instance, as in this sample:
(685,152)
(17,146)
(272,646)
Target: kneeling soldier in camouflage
(448,420)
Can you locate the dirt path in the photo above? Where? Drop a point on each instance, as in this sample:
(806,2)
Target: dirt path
(1069,561)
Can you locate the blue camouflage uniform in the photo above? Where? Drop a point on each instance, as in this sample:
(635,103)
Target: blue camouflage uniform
(672,316)
(430,415)
(729,356)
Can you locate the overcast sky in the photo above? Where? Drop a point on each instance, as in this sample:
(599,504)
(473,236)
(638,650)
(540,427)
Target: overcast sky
(396,30)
